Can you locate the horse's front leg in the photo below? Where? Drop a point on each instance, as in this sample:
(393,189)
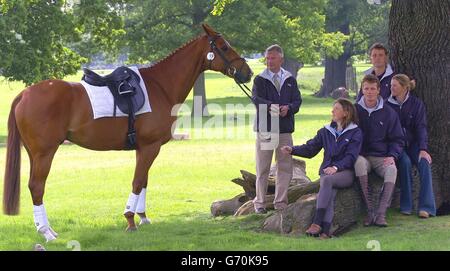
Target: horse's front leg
(136,201)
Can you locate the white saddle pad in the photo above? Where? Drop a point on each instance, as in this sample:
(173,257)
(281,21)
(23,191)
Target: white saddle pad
(102,101)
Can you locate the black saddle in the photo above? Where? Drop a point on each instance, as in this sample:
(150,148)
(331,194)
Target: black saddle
(127,92)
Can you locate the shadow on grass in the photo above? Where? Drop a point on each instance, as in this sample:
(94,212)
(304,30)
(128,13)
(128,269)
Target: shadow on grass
(196,231)
(188,231)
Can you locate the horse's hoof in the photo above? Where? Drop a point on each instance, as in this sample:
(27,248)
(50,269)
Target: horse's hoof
(131,229)
(48,235)
(39,247)
(53,232)
(144,221)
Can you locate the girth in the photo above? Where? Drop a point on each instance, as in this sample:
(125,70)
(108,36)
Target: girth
(124,85)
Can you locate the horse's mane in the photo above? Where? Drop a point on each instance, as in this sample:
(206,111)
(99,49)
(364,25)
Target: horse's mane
(175,51)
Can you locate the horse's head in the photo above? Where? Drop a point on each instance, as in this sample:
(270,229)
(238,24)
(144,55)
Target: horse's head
(222,57)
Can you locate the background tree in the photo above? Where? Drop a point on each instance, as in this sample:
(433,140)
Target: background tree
(51,39)
(156,28)
(100,26)
(362,24)
(420,47)
(298,26)
(33,40)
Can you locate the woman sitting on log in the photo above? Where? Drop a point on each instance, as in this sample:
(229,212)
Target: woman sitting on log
(341,141)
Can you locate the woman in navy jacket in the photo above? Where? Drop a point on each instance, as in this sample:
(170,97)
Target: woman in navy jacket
(412,113)
(341,141)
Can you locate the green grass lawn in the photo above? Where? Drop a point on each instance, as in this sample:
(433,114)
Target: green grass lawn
(86,190)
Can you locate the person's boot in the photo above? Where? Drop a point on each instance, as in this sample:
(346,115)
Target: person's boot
(385,199)
(364,182)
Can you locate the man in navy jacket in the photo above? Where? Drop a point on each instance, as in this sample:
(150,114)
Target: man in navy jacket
(277,99)
(382,146)
(379,57)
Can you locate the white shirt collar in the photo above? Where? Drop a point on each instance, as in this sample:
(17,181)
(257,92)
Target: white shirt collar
(279,73)
(393,100)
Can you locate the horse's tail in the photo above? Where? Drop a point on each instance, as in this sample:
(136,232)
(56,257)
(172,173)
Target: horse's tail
(11,191)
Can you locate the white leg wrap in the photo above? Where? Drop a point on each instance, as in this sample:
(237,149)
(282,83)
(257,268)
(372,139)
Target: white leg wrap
(131,203)
(141,202)
(40,216)
(41,223)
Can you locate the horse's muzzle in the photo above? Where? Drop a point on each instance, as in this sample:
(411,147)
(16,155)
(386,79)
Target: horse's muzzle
(241,77)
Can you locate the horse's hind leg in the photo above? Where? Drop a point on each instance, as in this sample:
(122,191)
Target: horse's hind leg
(40,167)
(136,201)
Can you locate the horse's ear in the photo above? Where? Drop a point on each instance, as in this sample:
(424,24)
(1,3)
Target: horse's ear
(208,30)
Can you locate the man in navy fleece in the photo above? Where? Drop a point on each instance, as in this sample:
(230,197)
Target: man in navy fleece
(382,146)
(379,57)
(277,99)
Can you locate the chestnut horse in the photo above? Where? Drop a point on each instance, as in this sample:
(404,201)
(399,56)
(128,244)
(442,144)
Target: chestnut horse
(45,114)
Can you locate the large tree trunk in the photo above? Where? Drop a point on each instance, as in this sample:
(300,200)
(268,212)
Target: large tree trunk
(335,68)
(200,98)
(419,40)
(200,10)
(292,66)
(334,75)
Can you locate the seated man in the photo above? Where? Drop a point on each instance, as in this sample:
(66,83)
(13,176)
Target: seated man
(382,145)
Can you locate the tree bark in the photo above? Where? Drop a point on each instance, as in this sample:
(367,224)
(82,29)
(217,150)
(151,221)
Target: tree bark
(420,44)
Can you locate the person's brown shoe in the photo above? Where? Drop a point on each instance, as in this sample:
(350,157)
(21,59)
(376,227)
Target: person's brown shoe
(367,197)
(261,211)
(314,230)
(324,236)
(424,214)
(385,199)
(369,219)
(380,221)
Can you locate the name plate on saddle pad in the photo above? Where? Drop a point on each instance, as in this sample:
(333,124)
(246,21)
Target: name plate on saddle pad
(102,101)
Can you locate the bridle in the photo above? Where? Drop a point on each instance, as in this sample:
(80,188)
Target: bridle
(228,69)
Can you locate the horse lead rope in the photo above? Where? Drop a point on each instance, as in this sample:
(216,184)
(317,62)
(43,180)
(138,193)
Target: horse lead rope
(246,90)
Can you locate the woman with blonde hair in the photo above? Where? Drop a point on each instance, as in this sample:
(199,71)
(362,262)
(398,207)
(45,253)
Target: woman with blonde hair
(412,113)
(341,141)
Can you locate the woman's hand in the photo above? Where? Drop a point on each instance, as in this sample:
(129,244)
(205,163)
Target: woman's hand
(425,155)
(286,150)
(330,170)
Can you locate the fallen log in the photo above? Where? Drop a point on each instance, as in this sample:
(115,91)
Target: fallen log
(349,210)
(294,220)
(228,207)
(294,192)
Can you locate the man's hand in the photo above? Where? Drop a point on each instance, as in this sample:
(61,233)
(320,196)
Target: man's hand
(425,155)
(330,170)
(284,110)
(388,161)
(286,150)
(274,110)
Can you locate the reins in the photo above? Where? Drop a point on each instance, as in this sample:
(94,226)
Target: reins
(228,69)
